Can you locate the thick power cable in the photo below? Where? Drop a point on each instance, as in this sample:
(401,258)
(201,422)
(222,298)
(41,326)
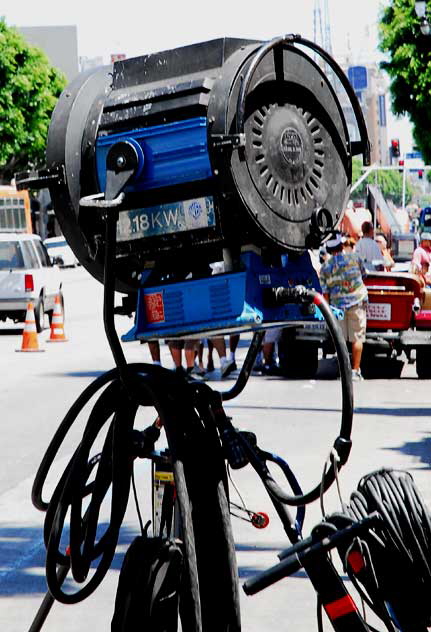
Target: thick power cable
(342,444)
(396,577)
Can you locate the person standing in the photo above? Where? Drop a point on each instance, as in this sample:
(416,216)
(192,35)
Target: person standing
(421,259)
(388,262)
(367,248)
(227,365)
(154,348)
(191,347)
(341,278)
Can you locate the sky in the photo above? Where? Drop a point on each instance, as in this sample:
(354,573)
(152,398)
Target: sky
(135,28)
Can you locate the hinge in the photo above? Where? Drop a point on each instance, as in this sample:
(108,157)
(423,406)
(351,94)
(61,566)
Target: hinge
(228,141)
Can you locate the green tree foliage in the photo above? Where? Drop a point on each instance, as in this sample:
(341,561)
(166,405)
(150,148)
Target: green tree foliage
(389,182)
(29,88)
(409,68)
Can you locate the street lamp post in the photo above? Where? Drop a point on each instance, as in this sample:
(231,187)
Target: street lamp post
(404,184)
(421,12)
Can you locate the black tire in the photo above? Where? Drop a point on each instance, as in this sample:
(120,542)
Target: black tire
(375,367)
(423,363)
(215,547)
(39,316)
(210,591)
(298,360)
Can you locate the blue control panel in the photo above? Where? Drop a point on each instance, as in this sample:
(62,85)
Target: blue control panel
(227,302)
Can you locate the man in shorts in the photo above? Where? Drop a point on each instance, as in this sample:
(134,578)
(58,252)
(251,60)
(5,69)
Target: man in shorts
(190,347)
(341,278)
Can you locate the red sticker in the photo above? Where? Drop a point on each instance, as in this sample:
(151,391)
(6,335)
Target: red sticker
(154,308)
(356,561)
(340,607)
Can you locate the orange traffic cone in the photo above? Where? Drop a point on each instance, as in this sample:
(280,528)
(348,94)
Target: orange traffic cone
(57,326)
(29,335)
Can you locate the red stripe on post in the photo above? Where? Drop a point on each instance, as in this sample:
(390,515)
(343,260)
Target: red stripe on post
(318,299)
(340,607)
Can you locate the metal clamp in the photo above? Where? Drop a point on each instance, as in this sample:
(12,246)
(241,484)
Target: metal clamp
(228,141)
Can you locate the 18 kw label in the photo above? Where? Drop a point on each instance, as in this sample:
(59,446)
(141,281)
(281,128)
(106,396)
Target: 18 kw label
(166,218)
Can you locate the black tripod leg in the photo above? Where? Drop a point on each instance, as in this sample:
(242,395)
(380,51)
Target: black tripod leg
(47,603)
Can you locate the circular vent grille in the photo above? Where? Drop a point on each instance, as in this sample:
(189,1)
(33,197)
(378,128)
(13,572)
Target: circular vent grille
(288,152)
(296,158)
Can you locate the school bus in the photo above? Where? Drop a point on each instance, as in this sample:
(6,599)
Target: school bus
(15,213)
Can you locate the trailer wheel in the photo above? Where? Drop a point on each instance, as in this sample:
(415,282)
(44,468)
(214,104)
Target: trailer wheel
(423,363)
(377,367)
(298,360)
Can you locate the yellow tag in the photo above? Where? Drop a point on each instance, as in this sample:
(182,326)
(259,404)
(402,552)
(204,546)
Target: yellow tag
(168,477)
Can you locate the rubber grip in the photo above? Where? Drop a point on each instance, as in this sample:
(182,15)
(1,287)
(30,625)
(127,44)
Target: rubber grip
(266,578)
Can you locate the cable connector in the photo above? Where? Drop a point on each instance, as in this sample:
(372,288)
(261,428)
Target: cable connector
(143,441)
(297,294)
(233,447)
(342,449)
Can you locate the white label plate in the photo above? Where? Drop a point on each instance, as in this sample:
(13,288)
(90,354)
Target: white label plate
(379,311)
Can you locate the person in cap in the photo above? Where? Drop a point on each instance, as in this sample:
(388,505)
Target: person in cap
(368,249)
(388,261)
(341,278)
(421,259)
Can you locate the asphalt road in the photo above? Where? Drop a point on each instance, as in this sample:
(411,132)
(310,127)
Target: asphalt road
(297,419)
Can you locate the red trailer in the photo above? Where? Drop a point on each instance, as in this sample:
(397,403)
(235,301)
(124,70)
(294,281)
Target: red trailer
(397,322)
(398,330)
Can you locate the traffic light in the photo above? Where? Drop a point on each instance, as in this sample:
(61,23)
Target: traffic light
(395,147)
(401,164)
(420,174)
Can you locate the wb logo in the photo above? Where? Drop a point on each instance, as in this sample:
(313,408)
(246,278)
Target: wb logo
(195,210)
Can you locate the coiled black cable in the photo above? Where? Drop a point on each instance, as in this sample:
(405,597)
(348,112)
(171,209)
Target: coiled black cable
(394,574)
(195,448)
(114,466)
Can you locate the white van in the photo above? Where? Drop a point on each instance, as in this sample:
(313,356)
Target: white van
(27,274)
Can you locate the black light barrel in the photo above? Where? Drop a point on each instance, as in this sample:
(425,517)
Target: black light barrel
(229,143)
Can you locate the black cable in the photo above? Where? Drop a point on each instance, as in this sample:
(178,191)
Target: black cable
(114,468)
(395,576)
(137,506)
(342,444)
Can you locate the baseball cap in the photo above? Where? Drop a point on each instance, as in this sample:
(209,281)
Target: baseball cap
(426,235)
(335,241)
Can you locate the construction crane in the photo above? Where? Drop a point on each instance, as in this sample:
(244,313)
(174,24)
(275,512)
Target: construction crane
(322,25)
(322,33)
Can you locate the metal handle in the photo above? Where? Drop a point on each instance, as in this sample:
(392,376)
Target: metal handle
(98,201)
(362,146)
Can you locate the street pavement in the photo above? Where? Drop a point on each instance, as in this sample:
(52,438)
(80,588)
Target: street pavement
(297,419)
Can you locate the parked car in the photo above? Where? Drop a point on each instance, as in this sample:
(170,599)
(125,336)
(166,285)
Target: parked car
(425,219)
(403,246)
(60,252)
(27,274)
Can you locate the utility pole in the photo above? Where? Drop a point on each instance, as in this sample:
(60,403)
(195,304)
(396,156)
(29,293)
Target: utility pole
(404,182)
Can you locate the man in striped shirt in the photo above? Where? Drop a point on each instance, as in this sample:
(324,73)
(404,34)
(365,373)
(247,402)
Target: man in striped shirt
(341,278)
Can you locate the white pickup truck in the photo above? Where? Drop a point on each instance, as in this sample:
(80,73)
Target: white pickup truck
(27,274)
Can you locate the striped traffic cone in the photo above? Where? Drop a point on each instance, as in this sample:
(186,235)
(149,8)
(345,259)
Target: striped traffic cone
(29,335)
(57,326)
